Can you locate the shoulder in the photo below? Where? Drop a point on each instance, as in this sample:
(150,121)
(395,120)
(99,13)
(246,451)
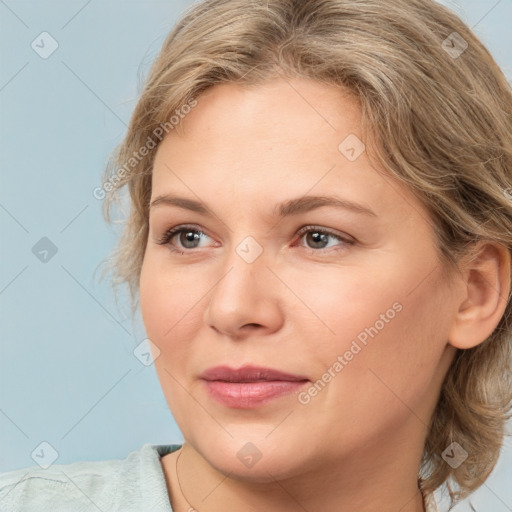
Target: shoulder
(98,485)
(64,486)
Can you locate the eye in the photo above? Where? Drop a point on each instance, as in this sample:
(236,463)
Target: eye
(189,237)
(319,237)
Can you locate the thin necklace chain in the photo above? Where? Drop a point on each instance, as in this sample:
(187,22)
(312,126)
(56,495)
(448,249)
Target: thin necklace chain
(179,484)
(191,507)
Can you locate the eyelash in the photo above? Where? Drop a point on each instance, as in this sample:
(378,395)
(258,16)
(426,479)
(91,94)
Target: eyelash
(166,238)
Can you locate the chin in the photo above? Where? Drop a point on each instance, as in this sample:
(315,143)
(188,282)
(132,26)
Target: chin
(258,460)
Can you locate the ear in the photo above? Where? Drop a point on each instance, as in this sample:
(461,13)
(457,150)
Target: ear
(486,286)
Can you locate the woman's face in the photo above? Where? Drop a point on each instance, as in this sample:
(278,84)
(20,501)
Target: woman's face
(350,296)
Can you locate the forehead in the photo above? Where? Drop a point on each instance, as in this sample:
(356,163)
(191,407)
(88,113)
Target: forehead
(281,107)
(260,144)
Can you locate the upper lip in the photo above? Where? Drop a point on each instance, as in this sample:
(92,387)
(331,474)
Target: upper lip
(248,373)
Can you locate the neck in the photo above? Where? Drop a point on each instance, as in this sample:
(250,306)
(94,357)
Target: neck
(384,476)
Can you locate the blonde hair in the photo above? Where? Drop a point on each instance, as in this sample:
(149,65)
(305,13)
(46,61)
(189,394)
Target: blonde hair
(438,115)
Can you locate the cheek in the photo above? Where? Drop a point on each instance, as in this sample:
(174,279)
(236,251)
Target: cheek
(336,305)
(167,298)
(153,300)
(391,361)
(166,313)
(390,332)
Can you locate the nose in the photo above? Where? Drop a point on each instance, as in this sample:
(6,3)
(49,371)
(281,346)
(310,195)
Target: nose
(245,301)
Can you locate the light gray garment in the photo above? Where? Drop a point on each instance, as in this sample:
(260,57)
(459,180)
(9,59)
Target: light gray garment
(134,484)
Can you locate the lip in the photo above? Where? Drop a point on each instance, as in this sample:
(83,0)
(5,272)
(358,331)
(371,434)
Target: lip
(249,386)
(249,373)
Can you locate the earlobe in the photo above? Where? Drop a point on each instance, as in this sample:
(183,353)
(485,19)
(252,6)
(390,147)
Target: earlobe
(487,288)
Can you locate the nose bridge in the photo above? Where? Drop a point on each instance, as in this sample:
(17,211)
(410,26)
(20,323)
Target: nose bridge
(245,267)
(242,295)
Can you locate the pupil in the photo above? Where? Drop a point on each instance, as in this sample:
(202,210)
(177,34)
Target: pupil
(317,237)
(190,236)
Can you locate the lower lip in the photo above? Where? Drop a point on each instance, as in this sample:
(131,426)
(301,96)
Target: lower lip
(245,395)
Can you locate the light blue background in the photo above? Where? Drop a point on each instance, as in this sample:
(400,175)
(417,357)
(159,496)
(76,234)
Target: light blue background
(68,375)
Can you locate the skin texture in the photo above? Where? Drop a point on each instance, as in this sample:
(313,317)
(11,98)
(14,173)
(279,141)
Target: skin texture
(299,305)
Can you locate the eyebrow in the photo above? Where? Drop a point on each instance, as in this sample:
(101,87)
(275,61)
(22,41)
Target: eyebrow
(285,209)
